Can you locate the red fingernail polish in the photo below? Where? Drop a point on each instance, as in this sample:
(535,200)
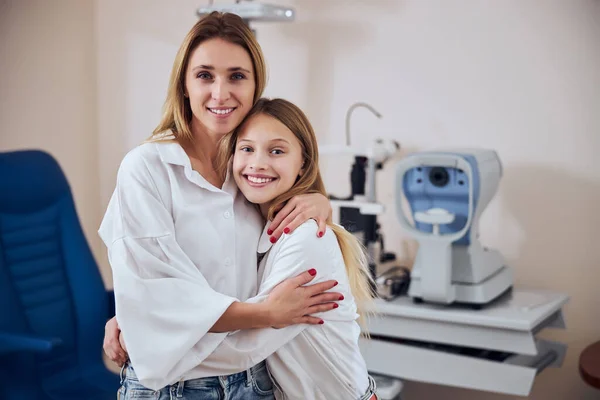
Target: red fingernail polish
(321,322)
(335,305)
(312,271)
(320,234)
(269,231)
(286,230)
(336,282)
(273,239)
(342,297)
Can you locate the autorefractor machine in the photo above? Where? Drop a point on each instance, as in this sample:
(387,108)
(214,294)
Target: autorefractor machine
(447,193)
(457,318)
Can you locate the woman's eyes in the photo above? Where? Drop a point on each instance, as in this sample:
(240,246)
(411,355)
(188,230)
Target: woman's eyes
(234,77)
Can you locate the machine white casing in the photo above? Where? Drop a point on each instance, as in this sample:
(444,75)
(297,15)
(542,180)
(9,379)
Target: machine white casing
(447,273)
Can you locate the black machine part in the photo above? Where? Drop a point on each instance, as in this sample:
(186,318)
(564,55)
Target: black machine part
(358,178)
(355,222)
(393,283)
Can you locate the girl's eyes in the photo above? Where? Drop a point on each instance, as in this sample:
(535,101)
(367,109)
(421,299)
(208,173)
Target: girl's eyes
(248,149)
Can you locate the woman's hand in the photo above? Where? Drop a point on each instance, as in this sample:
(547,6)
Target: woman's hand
(112,343)
(291,303)
(297,211)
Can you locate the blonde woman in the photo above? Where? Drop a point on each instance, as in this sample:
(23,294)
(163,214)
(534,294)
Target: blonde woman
(274,158)
(182,239)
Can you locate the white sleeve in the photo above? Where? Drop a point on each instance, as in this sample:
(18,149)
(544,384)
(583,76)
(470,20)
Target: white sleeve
(164,305)
(296,253)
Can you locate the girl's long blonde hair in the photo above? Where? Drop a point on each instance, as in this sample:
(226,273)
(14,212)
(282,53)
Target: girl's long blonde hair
(177,113)
(357,267)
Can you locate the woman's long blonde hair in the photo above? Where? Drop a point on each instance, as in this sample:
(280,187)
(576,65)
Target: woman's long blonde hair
(357,267)
(177,113)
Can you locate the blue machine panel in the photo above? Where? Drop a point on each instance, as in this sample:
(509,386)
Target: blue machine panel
(441,187)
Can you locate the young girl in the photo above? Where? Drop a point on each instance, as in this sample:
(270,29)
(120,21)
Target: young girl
(275,158)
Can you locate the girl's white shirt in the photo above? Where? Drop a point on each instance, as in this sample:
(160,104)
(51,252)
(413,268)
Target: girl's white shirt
(307,362)
(181,251)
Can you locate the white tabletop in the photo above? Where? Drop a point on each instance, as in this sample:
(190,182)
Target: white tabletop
(522,309)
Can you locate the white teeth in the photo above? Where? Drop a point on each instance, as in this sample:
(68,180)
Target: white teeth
(221,111)
(254,179)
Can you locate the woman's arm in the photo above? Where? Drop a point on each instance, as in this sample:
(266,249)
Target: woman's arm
(281,309)
(298,210)
(243,349)
(289,304)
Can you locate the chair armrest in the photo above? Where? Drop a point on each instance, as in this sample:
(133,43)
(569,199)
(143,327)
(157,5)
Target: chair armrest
(17,342)
(110,295)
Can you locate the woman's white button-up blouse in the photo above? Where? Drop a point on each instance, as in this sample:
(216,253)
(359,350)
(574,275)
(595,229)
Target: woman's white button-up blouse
(181,251)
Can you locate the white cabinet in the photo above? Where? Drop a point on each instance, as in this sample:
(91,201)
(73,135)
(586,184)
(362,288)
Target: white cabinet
(493,349)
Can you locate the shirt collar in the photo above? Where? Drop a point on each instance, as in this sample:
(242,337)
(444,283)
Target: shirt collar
(264,243)
(171,152)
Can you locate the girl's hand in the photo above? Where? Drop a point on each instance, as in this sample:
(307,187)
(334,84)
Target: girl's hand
(112,343)
(297,211)
(291,303)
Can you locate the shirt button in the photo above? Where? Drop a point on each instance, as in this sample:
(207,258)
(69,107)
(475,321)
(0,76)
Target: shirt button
(227,262)
(227,214)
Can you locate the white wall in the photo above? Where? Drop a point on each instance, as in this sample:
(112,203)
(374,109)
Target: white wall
(47,94)
(519,77)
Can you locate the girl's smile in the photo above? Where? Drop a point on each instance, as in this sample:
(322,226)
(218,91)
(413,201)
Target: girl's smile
(268,159)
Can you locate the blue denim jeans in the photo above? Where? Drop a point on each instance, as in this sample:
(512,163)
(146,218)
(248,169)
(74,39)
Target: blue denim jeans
(253,384)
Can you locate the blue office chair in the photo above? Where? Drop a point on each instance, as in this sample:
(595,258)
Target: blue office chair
(53,304)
